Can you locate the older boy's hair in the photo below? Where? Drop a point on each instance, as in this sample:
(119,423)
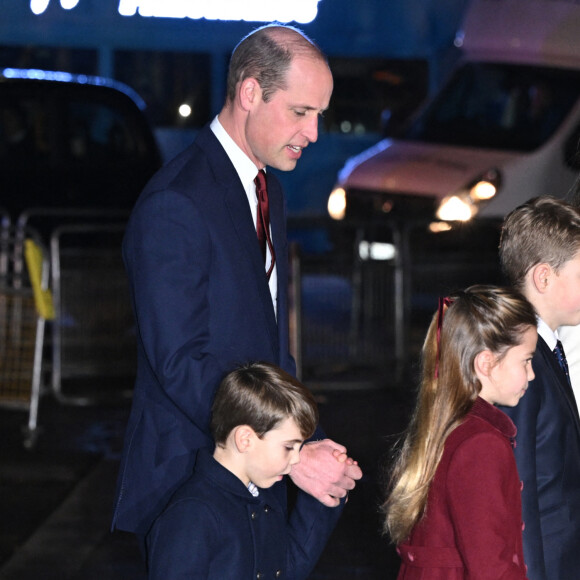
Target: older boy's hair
(261,395)
(542,230)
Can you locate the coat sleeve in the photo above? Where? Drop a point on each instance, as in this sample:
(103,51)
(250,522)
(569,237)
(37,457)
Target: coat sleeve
(310,525)
(167,252)
(526,416)
(481,483)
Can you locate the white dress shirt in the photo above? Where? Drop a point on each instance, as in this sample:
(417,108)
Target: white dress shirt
(247,172)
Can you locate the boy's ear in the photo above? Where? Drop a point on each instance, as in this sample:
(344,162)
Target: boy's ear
(540,276)
(244,437)
(484,363)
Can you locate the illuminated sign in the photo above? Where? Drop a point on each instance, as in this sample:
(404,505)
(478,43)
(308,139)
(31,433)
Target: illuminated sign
(302,11)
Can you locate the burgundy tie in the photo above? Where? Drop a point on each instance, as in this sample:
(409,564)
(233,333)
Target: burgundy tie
(263,219)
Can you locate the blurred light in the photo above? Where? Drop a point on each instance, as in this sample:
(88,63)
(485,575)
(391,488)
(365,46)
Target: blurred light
(68,4)
(184,110)
(454,209)
(345,126)
(376,251)
(337,204)
(438,227)
(482,190)
(302,11)
(38,6)
(459,39)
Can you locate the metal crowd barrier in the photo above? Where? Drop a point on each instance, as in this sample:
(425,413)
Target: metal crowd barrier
(92,347)
(24,308)
(365,311)
(93,335)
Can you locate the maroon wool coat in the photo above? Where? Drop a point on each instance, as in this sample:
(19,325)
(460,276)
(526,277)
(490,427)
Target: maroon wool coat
(472,528)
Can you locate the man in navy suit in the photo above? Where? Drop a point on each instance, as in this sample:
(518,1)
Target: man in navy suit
(540,254)
(202,298)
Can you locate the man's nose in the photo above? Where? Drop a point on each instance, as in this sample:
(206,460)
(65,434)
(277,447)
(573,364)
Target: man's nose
(310,130)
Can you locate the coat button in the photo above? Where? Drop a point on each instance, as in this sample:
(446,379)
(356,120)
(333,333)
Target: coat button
(411,556)
(523,526)
(521,485)
(278,573)
(254,515)
(266,509)
(259,576)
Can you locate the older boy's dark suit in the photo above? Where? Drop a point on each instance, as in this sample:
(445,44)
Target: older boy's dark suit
(548,459)
(202,306)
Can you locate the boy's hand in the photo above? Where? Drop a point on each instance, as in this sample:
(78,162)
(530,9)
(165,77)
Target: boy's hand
(325,471)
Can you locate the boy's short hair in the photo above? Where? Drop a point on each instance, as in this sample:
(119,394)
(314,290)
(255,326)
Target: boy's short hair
(261,395)
(542,230)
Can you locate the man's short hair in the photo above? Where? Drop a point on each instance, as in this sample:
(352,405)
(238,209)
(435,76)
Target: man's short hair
(542,230)
(266,55)
(262,396)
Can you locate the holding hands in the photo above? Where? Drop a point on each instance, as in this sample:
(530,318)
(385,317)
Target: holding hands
(325,471)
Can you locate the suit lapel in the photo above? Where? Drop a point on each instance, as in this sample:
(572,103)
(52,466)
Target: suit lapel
(236,202)
(561,384)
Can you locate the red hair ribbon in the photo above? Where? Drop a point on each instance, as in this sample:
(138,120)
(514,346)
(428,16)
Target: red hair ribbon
(443,303)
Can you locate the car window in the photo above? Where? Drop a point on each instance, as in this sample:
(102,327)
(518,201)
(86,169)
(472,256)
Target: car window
(72,145)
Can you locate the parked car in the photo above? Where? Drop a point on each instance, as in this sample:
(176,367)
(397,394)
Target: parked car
(71,141)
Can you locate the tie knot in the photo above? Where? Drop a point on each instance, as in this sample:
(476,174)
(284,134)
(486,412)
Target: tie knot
(260,181)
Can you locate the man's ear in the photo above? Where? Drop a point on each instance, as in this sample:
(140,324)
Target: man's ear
(249,92)
(483,363)
(244,437)
(541,276)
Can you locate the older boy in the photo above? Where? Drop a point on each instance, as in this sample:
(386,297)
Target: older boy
(540,254)
(225,522)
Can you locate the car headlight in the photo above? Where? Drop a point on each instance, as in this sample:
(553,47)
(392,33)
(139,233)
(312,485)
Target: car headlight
(465,204)
(337,203)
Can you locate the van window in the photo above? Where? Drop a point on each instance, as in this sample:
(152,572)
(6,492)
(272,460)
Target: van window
(498,106)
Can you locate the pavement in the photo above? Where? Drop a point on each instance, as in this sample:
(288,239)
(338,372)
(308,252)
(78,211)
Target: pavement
(56,499)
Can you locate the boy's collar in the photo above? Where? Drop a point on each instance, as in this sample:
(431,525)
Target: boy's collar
(550,337)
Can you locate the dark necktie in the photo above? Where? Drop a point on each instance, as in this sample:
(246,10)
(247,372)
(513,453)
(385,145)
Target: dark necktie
(263,220)
(561,357)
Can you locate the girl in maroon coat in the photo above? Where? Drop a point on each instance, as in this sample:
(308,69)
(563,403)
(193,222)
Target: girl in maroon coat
(454,507)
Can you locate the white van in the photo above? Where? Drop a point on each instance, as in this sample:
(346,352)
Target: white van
(503,129)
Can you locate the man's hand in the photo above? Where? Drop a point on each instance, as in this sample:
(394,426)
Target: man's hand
(325,471)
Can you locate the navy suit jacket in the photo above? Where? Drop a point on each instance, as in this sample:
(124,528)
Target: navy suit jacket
(548,459)
(202,306)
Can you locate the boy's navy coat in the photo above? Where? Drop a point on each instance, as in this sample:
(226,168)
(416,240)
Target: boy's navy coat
(548,460)
(213,529)
(202,306)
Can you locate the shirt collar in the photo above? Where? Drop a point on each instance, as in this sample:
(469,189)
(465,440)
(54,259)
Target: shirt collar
(550,337)
(243,165)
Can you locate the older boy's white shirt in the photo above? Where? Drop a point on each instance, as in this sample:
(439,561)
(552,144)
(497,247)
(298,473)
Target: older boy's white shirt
(247,172)
(550,337)
(570,337)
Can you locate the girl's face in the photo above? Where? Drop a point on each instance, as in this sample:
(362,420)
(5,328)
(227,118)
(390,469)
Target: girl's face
(506,379)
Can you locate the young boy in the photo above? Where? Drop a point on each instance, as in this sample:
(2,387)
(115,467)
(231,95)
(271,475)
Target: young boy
(540,254)
(226,522)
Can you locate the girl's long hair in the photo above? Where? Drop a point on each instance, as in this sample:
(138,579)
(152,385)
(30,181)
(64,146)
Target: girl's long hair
(477,319)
